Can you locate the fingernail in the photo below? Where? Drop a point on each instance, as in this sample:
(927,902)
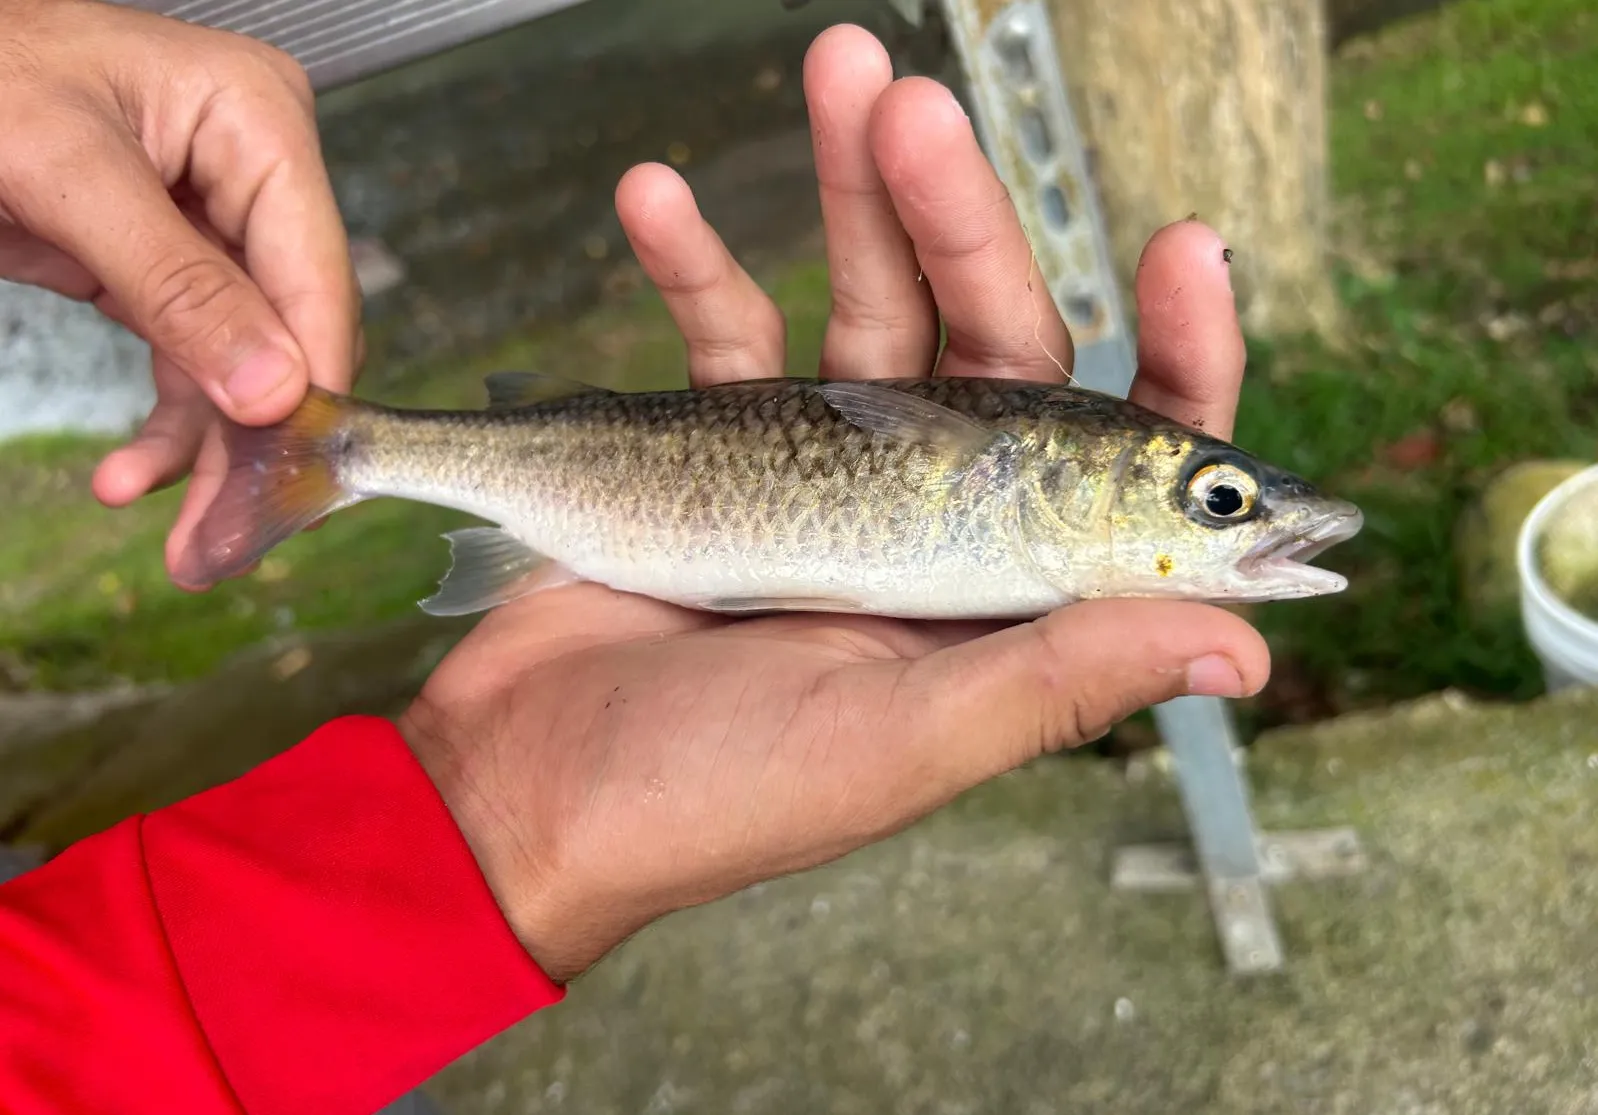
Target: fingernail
(955,101)
(1214,676)
(260,375)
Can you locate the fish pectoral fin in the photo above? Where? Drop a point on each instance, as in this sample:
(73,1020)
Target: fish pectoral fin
(732,605)
(906,417)
(511,390)
(490,567)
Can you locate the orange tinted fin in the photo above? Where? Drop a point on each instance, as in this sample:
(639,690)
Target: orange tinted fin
(280,479)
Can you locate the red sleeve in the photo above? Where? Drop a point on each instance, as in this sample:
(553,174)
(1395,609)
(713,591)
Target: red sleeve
(312,937)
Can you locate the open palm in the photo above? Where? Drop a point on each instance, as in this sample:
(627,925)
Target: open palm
(613,758)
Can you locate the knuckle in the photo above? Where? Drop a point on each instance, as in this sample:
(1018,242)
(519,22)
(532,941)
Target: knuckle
(191,304)
(257,67)
(287,70)
(1071,713)
(1087,721)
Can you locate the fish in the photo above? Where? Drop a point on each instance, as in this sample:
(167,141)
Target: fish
(941,498)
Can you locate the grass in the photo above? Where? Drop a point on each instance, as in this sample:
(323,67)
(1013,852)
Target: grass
(1465,155)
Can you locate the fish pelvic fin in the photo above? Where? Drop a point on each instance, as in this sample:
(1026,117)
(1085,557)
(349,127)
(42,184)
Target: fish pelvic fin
(490,566)
(280,479)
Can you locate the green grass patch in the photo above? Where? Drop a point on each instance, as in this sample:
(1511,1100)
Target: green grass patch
(1465,155)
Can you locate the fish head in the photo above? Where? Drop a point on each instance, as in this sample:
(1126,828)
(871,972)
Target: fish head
(1168,512)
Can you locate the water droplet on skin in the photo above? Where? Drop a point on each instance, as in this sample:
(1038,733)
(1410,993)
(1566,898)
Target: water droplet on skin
(654,789)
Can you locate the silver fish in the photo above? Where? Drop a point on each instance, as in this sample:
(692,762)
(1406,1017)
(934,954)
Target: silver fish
(932,498)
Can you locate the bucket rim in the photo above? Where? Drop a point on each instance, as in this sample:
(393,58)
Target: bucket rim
(1553,607)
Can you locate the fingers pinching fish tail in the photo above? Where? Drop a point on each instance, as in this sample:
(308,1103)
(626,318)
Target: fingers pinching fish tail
(941,498)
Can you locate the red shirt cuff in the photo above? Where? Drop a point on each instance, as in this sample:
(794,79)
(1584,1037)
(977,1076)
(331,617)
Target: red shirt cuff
(336,938)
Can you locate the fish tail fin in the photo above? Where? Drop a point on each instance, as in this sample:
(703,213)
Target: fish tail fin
(280,479)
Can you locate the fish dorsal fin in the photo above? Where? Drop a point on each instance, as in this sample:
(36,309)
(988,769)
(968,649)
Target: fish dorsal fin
(510,390)
(898,414)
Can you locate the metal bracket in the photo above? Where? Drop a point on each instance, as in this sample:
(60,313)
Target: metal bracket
(1023,117)
(1307,854)
(1243,919)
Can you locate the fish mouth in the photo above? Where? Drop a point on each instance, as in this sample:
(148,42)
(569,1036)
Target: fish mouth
(1280,565)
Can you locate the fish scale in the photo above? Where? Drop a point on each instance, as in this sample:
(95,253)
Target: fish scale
(932,498)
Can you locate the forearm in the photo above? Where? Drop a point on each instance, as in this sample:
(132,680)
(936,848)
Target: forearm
(314,936)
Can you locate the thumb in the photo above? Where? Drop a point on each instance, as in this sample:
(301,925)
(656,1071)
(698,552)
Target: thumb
(997,702)
(170,284)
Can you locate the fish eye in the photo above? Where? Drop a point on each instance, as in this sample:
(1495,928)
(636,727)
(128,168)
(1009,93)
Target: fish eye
(1224,492)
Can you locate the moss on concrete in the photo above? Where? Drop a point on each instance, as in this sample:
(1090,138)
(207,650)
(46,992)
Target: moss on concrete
(147,753)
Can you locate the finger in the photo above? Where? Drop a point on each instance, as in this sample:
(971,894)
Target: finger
(732,328)
(1190,345)
(998,311)
(161,452)
(210,469)
(27,259)
(256,162)
(990,705)
(883,322)
(182,294)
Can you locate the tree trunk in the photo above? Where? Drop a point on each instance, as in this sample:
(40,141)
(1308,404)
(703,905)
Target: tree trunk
(1214,107)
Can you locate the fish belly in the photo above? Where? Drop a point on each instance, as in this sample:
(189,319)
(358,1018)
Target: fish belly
(855,556)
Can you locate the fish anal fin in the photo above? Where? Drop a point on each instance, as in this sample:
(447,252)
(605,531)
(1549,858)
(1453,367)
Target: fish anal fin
(905,417)
(512,390)
(489,567)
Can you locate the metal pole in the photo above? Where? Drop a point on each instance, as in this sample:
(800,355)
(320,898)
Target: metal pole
(1023,116)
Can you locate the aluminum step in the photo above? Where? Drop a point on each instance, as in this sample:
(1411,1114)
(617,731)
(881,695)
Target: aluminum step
(340,41)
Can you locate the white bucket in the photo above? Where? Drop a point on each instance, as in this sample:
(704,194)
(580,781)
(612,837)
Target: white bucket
(1565,641)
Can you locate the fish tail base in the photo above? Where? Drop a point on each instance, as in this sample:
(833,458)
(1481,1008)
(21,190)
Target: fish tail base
(280,479)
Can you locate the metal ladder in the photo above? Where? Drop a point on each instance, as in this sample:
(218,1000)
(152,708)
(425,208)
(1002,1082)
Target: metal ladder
(1024,117)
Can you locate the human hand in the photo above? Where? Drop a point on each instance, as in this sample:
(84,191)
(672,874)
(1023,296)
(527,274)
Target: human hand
(611,758)
(171,175)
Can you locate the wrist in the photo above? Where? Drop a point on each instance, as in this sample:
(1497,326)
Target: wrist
(562,934)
